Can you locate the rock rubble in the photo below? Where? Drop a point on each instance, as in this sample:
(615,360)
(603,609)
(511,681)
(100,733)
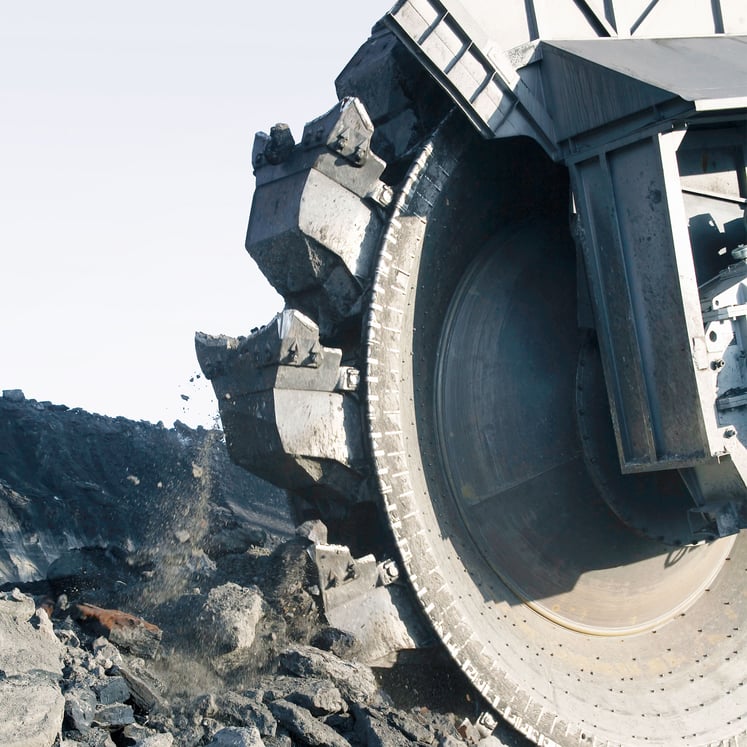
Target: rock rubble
(208,629)
(276,692)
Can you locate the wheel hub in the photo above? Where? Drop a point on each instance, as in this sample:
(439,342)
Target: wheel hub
(527,448)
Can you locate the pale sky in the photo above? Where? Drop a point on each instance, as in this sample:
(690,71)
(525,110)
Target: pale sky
(125,184)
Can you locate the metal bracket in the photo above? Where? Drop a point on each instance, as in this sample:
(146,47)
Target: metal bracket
(485,725)
(725,312)
(350,136)
(732,399)
(343,577)
(348,380)
(720,520)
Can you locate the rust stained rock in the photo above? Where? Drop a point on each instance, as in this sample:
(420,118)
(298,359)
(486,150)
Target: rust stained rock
(124,630)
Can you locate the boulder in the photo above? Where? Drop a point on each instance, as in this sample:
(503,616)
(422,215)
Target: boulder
(80,707)
(355,681)
(32,707)
(114,716)
(145,689)
(228,620)
(30,659)
(113,690)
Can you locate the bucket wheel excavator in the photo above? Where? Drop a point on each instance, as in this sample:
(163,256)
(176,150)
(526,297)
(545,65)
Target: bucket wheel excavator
(514,263)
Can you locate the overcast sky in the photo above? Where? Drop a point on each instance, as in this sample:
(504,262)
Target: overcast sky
(125,184)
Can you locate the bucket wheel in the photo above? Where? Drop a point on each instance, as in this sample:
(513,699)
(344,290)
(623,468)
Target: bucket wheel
(541,568)
(431,359)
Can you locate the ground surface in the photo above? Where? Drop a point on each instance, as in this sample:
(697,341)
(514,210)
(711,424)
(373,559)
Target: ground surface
(184,610)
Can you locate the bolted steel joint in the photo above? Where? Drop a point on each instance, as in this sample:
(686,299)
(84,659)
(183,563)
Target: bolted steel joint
(486,724)
(350,136)
(340,141)
(348,380)
(388,572)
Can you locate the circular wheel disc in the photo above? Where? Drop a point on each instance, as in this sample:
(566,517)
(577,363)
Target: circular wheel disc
(575,627)
(512,454)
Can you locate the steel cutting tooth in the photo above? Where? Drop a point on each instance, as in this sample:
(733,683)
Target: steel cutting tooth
(315,222)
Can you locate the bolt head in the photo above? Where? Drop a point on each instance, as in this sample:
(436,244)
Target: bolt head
(488,720)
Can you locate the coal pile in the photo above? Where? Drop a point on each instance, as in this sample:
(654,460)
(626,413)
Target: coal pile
(152,594)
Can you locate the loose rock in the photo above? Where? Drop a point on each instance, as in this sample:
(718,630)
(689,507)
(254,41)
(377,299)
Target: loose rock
(411,728)
(80,707)
(374,731)
(339,642)
(355,681)
(232,707)
(114,715)
(126,631)
(113,690)
(301,724)
(146,691)
(314,530)
(318,696)
(92,738)
(230,616)
(237,690)
(237,736)
(139,736)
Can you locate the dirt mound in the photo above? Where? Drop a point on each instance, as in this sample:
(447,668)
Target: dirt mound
(72,482)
